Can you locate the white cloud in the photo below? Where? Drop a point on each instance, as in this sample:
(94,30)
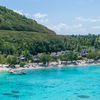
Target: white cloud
(77,26)
(83,19)
(19,12)
(41,17)
(64,29)
(96,27)
(60,28)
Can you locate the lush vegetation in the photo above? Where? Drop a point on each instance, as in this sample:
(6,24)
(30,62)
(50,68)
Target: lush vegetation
(18,43)
(22,36)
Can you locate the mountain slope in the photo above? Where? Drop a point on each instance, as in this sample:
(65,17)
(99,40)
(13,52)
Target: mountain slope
(10,20)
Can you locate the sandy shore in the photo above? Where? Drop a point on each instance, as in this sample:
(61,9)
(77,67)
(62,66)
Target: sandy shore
(4,69)
(39,67)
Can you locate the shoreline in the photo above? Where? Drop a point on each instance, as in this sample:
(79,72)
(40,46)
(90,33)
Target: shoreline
(4,69)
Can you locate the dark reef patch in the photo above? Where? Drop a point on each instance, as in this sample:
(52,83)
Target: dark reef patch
(83,96)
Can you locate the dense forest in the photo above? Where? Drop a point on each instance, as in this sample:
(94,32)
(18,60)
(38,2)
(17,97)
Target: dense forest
(15,42)
(22,36)
(18,43)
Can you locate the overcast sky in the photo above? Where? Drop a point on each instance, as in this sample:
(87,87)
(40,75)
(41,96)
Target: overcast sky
(63,16)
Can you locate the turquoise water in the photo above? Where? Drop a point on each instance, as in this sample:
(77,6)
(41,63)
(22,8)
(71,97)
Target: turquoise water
(81,83)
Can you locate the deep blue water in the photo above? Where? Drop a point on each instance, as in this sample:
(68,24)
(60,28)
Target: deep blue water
(80,83)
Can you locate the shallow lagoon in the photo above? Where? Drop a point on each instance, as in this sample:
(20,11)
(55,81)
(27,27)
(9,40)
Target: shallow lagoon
(77,83)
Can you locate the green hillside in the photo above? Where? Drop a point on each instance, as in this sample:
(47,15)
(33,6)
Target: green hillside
(10,20)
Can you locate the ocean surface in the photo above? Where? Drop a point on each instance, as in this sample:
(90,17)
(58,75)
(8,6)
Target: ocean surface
(77,83)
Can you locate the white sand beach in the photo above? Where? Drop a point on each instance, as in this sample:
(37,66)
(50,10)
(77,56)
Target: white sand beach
(33,66)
